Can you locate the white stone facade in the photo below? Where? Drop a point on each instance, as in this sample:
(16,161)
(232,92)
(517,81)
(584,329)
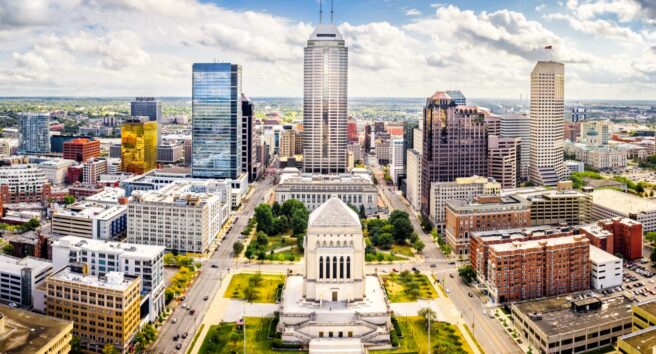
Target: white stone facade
(463,188)
(605,269)
(413,179)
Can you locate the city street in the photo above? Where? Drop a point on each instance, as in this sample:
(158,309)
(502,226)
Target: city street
(209,280)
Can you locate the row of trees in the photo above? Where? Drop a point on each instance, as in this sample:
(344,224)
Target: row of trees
(397,229)
(277,219)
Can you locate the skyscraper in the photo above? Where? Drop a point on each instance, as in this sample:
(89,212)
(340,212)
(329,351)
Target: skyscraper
(546,166)
(457,97)
(247,137)
(148,107)
(217,120)
(138,146)
(518,125)
(325,101)
(33,133)
(454,143)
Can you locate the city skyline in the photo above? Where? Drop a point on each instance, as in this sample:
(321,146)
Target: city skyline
(608,46)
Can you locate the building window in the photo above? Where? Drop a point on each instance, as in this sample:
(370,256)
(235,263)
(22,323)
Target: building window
(348,267)
(320,267)
(327,267)
(334,267)
(341,267)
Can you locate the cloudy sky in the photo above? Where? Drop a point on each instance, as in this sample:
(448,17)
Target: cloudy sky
(397,48)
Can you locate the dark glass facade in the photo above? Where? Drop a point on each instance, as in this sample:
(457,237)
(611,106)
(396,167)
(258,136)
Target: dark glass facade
(217,120)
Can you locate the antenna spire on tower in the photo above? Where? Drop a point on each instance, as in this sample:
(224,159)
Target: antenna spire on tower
(331,12)
(320,11)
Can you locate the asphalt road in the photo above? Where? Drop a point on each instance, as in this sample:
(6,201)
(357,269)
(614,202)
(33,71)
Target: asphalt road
(209,280)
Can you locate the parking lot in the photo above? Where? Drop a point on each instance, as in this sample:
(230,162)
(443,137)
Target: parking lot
(638,281)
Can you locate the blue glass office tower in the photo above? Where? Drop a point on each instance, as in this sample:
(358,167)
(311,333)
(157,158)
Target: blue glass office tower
(216,120)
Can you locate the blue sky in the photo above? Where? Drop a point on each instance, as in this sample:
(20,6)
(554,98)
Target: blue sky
(397,48)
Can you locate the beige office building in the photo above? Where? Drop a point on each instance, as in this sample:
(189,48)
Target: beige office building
(546,165)
(553,207)
(25,332)
(465,188)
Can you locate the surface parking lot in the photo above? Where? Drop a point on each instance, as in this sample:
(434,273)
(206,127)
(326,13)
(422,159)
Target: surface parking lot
(638,281)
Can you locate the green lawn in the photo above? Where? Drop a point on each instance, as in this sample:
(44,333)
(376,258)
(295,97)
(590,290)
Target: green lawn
(405,250)
(219,338)
(266,289)
(408,289)
(445,338)
(280,241)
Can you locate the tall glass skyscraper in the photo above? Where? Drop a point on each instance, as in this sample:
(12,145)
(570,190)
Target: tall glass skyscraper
(33,133)
(217,120)
(325,101)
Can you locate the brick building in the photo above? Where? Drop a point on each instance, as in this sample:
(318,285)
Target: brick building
(464,217)
(534,269)
(81,150)
(616,235)
(481,241)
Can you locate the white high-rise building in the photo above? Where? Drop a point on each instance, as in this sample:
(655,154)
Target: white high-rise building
(396,159)
(546,165)
(324,101)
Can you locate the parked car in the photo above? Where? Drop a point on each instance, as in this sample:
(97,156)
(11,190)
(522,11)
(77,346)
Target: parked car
(175,320)
(470,294)
(176,337)
(178,346)
(205,298)
(191,312)
(215,266)
(184,335)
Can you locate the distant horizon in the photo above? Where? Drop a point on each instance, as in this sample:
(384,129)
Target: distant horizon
(301,97)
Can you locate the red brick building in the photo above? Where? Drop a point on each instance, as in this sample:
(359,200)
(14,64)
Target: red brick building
(81,191)
(482,214)
(481,241)
(81,150)
(352,130)
(74,174)
(533,269)
(616,235)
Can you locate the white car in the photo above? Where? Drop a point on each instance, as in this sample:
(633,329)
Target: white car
(13,304)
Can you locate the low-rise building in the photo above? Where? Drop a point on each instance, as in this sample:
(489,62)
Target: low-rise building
(109,196)
(465,188)
(574,166)
(608,203)
(176,217)
(605,269)
(616,236)
(356,188)
(519,271)
(19,278)
(170,153)
(463,217)
(20,334)
(92,170)
(81,150)
(102,257)
(55,170)
(25,184)
(91,220)
(104,309)
(571,324)
(83,190)
(640,342)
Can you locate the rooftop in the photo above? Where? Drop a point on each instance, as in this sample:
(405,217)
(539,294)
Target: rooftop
(90,210)
(292,175)
(14,265)
(623,202)
(134,250)
(559,317)
(179,193)
(643,340)
(597,256)
(27,332)
(334,213)
(111,281)
(524,245)
(483,202)
(521,233)
(648,306)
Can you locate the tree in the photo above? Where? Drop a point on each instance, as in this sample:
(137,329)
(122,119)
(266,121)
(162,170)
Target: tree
(32,224)
(652,256)
(261,238)
(299,241)
(425,313)
(384,241)
(281,224)
(418,245)
(76,345)
(249,253)
(290,205)
(426,224)
(234,338)
(170,259)
(264,218)
(361,212)
(467,274)
(69,199)
(402,229)
(8,249)
(299,221)
(650,236)
(261,256)
(250,294)
(237,247)
(109,348)
(380,257)
(275,208)
(396,214)
(291,257)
